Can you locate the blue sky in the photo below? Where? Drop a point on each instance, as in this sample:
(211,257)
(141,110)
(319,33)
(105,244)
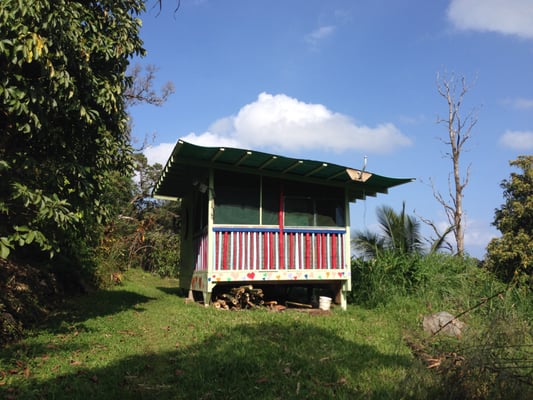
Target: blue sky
(339,80)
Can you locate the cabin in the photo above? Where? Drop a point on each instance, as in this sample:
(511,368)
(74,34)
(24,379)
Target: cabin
(250,217)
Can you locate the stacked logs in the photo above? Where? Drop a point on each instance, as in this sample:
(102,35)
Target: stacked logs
(242,297)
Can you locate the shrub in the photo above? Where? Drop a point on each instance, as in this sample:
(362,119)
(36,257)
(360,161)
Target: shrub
(496,357)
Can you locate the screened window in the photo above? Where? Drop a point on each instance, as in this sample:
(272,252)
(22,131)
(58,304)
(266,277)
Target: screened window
(236,198)
(299,211)
(313,212)
(246,199)
(313,205)
(271,201)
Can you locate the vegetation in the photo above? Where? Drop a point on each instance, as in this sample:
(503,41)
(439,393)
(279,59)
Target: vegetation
(66,190)
(63,121)
(400,234)
(494,358)
(141,339)
(511,255)
(143,236)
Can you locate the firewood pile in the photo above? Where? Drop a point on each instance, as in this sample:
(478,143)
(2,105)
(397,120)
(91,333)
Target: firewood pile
(242,297)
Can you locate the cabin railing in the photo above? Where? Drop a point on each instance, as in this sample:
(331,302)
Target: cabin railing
(252,249)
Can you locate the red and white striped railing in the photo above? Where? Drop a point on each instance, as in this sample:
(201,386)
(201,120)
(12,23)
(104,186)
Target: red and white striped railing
(254,249)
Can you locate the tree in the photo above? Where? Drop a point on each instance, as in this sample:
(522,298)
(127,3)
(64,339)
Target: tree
(511,255)
(400,233)
(144,233)
(62,117)
(148,175)
(141,90)
(459,128)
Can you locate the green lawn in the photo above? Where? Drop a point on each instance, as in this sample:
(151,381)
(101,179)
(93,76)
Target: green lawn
(142,340)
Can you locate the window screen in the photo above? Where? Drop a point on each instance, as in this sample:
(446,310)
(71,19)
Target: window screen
(299,211)
(314,205)
(270,205)
(236,198)
(238,202)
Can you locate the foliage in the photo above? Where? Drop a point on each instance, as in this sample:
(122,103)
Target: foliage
(146,238)
(400,234)
(62,117)
(391,276)
(494,360)
(147,175)
(494,357)
(511,255)
(143,233)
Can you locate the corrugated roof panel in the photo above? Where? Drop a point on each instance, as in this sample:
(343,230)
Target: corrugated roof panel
(190,162)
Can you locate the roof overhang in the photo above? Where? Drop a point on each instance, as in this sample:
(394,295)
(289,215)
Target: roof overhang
(190,163)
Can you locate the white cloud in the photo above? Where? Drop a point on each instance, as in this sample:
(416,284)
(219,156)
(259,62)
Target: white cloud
(318,35)
(159,153)
(518,140)
(284,123)
(211,139)
(521,103)
(478,233)
(511,17)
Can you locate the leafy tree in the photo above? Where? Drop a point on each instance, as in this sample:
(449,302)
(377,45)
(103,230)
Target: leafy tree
(144,232)
(147,174)
(511,255)
(400,234)
(63,123)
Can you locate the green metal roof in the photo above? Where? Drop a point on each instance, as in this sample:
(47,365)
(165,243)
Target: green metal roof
(189,162)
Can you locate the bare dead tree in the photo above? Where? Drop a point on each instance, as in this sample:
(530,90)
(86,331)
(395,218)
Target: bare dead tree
(459,127)
(141,90)
(160,2)
(440,240)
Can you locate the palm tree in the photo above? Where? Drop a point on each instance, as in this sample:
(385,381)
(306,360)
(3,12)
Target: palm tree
(400,234)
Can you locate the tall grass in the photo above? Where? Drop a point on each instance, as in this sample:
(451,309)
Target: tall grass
(494,357)
(437,278)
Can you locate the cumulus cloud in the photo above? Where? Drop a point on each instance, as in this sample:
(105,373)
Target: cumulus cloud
(159,153)
(284,123)
(518,140)
(511,17)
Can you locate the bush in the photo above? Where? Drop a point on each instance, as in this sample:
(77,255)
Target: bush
(145,240)
(496,357)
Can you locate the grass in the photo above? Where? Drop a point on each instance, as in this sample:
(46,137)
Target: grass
(142,340)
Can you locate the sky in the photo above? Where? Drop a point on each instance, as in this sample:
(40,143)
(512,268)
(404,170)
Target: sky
(339,80)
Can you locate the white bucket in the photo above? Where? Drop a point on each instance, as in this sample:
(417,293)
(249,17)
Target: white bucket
(324,303)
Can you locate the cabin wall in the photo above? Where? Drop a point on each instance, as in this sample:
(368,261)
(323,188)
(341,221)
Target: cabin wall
(259,247)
